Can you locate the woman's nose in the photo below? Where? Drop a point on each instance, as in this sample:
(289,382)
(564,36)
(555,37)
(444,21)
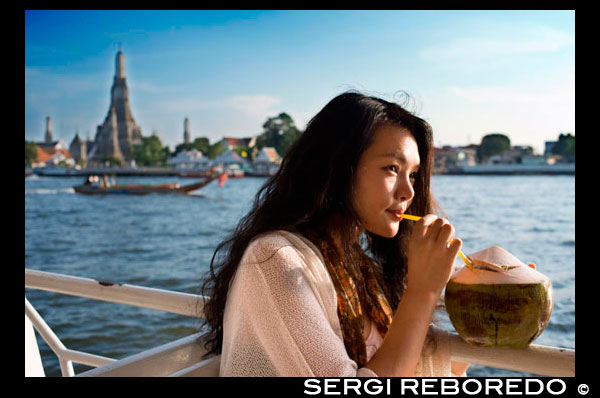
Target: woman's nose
(404,189)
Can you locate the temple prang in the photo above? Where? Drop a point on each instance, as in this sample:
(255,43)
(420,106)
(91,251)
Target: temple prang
(118,133)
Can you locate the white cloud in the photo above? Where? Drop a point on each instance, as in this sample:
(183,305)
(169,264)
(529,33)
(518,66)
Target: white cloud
(253,106)
(507,94)
(514,42)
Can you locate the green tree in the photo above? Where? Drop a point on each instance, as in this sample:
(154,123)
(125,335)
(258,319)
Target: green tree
(215,150)
(492,144)
(279,132)
(30,153)
(201,144)
(150,152)
(183,147)
(565,146)
(165,155)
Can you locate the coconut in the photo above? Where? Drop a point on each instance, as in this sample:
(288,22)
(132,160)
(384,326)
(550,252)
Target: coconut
(501,302)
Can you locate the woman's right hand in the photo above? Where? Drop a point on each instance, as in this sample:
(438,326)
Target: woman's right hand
(430,264)
(430,258)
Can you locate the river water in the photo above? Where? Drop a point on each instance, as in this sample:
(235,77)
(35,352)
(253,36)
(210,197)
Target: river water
(166,242)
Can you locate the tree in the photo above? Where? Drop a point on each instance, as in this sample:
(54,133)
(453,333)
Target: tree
(183,147)
(150,152)
(30,153)
(215,149)
(492,144)
(165,155)
(279,132)
(565,146)
(201,144)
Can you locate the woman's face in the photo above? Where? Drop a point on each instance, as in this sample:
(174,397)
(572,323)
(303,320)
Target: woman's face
(384,180)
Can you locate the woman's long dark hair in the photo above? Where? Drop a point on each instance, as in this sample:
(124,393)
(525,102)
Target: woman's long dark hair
(314,185)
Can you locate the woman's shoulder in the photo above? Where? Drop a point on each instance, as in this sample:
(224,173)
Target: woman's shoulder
(265,245)
(278,243)
(271,240)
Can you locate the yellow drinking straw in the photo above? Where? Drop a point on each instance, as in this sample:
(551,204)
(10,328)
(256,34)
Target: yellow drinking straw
(460,253)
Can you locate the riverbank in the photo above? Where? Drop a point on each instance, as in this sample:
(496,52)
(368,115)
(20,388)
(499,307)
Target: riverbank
(511,169)
(479,169)
(120,172)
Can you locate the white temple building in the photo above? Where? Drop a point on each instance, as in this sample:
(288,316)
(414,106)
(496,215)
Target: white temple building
(189,160)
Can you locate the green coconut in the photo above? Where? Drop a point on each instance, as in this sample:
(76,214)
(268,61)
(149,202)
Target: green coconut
(501,302)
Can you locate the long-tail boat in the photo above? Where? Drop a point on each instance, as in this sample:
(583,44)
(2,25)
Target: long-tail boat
(142,189)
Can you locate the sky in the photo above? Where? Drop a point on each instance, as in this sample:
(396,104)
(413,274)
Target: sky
(468,73)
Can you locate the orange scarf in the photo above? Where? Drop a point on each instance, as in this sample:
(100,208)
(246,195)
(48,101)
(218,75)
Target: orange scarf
(358,292)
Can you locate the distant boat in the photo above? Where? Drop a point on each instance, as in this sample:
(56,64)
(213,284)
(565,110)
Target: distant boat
(142,189)
(236,173)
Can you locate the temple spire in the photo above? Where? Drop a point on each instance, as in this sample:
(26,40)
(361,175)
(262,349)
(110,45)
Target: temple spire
(117,135)
(113,138)
(187,137)
(120,72)
(48,137)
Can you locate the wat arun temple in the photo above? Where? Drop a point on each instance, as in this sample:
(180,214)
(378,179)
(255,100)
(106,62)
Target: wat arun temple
(118,133)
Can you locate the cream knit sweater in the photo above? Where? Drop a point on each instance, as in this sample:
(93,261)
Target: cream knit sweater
(281,317)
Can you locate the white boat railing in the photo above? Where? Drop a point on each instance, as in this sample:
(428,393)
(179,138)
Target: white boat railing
(66,357)
(183,357)
(157,299)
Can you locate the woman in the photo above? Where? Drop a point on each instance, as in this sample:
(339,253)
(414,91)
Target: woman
(322,277)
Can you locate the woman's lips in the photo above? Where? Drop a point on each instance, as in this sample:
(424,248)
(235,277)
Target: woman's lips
(397,215)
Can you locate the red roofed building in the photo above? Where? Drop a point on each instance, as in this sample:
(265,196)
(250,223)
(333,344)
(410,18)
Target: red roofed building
(267,162)
(50,152)
(231,142)
(267,154)
(52,157)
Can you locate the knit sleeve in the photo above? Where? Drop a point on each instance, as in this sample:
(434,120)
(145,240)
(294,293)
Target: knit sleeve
(435,356)
(278,320)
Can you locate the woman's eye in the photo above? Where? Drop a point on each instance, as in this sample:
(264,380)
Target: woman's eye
(393,168)
(414,175)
